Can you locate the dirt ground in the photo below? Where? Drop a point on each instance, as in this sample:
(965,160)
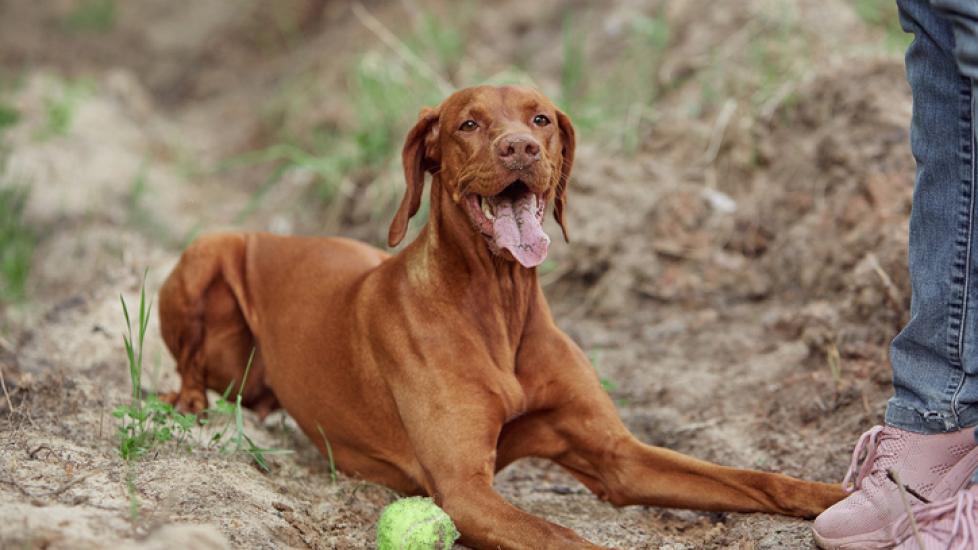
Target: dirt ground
(735,275)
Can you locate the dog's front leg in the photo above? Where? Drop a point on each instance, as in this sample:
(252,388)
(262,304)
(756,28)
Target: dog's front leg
(576,425)
(453,426)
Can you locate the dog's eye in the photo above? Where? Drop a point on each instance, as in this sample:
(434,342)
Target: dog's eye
(468,126)
(541,120)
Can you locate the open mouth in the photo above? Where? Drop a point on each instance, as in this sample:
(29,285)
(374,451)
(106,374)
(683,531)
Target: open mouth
(512,220)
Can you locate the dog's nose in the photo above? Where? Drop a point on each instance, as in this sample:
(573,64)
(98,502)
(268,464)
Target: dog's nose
(518,151)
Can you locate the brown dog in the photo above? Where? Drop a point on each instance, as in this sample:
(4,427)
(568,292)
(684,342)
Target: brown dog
(432,369)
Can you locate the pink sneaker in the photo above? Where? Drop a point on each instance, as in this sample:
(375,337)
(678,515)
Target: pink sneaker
(931,467)
(949,524)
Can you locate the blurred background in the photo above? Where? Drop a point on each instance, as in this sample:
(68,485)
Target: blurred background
(737,216)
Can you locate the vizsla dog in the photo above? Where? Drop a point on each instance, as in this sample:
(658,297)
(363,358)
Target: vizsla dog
(432,369)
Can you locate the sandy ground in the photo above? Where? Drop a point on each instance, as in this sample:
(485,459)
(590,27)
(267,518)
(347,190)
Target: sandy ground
(735,278)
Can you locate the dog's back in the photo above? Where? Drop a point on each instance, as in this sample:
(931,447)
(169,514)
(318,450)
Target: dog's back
(234,292)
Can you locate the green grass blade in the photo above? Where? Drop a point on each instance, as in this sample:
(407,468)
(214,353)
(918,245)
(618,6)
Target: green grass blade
(251,359)
(329,453)
(125,310)
(238,423)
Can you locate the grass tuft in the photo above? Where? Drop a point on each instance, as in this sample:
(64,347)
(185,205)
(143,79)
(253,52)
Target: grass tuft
(8,117)
(607,384)
(17,239)
(144,422)
(239,441)
(385,94)
(147,422)
(614,104)
(17,242)
(94,16)
(883,15)
(60,109)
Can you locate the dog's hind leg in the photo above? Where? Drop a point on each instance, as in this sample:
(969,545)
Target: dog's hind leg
(205,329)
(181,309)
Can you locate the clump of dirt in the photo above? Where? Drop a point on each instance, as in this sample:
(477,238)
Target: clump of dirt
(735,277)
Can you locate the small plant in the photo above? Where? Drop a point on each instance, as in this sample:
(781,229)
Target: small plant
(614,102)
(8,117)
(572,69)
(147,422)
(95,16)
(17,239)
(607,384)
(883,15)
(17,242)
(60,109)
(232,413)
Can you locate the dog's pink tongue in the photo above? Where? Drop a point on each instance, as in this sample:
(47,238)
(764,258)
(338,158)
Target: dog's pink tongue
(518,230)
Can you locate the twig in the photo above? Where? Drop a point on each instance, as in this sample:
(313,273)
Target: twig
(720,129)
(892,292)
(400,48)
(777,98)
(782,93)
(633,118)
(696,426)
(3,384)
(906,504)
(54,492)
(551,277)
(834,359)
(367,485)
(38,449)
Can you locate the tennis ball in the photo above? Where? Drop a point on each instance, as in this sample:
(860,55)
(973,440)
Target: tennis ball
(415,523)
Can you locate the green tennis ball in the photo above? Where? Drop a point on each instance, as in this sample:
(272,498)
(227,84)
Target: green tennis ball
(415,523)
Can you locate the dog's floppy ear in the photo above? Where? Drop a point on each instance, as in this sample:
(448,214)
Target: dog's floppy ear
(419,156)
(567,141)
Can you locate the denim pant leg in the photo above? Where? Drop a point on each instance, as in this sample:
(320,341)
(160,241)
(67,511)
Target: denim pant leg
(935,357)
(963,15)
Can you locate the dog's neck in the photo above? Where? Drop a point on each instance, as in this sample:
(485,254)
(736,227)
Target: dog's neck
(453,259)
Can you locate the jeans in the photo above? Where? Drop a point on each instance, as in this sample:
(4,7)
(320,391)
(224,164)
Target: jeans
(935,357)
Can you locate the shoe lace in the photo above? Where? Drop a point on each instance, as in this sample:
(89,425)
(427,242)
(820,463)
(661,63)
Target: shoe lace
(964,529)
(865,458)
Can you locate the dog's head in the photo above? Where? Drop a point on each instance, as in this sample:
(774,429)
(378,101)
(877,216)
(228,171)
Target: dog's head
(502,153)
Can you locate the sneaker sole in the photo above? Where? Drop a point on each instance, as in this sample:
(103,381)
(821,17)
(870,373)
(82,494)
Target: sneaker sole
(881,539)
